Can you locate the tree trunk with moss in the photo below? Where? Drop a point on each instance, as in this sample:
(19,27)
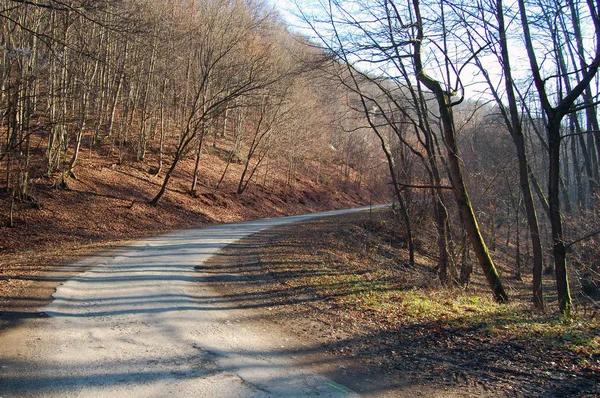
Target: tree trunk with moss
(461,196)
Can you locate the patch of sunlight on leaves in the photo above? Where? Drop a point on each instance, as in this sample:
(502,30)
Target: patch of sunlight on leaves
(459,310)
(452,307)
(580,336)
(375,293)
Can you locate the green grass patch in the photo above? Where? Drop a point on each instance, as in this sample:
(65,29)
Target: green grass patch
(371,293)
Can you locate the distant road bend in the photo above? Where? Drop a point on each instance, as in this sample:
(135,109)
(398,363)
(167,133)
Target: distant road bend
(140,322)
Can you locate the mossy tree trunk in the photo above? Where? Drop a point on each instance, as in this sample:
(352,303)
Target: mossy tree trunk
(461,196)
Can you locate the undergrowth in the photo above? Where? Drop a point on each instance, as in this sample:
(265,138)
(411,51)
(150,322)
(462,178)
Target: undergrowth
(359,272)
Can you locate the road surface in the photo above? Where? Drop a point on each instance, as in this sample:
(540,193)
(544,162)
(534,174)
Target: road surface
(143,322)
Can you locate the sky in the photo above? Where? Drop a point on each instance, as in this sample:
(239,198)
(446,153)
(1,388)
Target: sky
(289,10)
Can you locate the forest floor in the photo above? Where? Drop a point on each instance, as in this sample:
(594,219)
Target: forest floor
(343,285)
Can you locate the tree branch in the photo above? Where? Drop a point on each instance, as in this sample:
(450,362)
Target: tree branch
(592,234)
(422,186)
(41,5)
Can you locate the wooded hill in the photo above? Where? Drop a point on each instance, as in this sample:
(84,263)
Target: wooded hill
(127,118)
(202,106)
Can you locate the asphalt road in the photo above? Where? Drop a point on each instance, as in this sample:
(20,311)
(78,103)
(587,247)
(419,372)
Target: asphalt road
(142,322)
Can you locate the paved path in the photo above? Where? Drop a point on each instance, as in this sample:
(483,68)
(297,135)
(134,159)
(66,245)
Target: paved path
(141,322)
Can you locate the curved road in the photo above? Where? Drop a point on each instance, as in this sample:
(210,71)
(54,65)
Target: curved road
(141,323)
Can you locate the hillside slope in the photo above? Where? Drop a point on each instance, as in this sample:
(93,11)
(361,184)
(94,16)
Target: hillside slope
(107,205)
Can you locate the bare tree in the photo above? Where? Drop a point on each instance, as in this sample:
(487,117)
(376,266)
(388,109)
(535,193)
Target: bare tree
(228,63)
(494,38)
(394,36)
(566,103)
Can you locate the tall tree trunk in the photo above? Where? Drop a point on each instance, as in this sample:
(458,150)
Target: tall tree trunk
(466,268)
(143,136)
(588,98)
(197,163)
(239,125)
(162,130)
(518,241)
(84,115)
(554,116)
(514,124)
(459,188)
(403,209)
(441,223)
(559,249)
(115,100)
